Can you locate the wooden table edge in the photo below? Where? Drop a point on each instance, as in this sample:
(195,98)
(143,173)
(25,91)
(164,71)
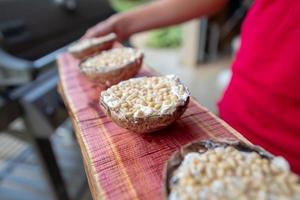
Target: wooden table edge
(88,168)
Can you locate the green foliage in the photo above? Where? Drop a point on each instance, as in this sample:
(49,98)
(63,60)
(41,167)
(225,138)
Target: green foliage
(123,5)
(162,38)
(165,38)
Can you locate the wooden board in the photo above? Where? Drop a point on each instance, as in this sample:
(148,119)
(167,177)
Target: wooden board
(121,164)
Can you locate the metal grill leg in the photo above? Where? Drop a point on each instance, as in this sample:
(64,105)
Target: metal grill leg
(46,155)
(39,130)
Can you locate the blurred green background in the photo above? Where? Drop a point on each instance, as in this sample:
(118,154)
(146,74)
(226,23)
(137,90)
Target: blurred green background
(169,37)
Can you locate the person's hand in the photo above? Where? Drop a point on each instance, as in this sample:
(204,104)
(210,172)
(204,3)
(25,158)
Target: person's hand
(111,25)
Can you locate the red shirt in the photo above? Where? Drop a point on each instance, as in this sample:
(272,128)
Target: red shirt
(262,100)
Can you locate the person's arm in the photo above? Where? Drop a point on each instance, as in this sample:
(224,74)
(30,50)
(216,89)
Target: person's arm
(157,14)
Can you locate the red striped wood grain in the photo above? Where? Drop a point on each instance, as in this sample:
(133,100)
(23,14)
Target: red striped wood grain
(121,164)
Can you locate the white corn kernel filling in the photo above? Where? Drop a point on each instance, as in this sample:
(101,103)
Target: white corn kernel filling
(226,173)
(109,59)
(87,43)
(146,96)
